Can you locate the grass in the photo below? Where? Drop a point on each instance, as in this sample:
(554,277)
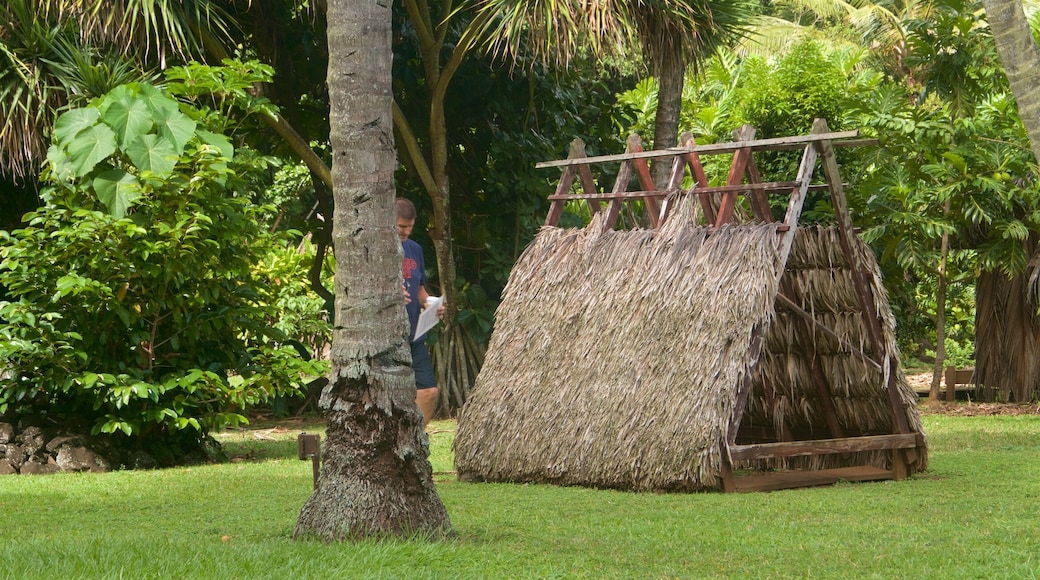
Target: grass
(975,513)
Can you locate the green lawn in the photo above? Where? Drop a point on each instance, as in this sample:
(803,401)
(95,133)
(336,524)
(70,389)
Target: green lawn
(975,513)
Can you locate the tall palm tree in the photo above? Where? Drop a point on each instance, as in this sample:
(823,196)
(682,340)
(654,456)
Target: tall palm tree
(1021,58)
(1008,326)
(377,479)
(671,35)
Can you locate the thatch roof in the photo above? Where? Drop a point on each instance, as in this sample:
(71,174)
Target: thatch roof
(616,356)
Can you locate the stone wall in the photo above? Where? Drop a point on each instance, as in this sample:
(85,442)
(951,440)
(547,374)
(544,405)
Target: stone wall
(30,449)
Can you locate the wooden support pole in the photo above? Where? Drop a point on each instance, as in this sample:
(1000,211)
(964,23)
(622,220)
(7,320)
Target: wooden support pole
(635,144)
(758,198)
(700,179)
(577,150)
(737,168)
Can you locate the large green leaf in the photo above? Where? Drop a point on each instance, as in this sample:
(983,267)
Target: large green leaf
(118,190)
(74,121)
(175,126)
(156,100)
(152,153)
(88,148)
(128,116)
(219,142)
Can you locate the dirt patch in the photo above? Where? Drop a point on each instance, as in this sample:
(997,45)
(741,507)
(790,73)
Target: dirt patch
(966,409)
(922,381)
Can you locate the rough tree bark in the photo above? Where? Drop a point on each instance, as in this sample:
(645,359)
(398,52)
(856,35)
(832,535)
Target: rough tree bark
(670,71)
(1021,58)
(1007,329)
(1007,335)
(376,478)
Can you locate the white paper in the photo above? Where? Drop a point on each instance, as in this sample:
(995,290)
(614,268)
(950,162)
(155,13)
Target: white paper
(428,317)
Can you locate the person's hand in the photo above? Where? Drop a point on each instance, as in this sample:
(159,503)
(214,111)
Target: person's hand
(440,312)
(407,298)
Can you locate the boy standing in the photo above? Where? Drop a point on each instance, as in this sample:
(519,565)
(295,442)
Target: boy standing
(414,285)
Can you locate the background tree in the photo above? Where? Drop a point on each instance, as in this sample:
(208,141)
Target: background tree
(376,478)
(671,34)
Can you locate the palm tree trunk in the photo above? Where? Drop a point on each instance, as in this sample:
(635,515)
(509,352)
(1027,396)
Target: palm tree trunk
(1007,337)
(1021,59)
(671,70)
(376,479)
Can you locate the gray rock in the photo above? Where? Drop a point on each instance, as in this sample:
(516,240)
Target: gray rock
(6,468)
(142,460)
(6,432)
(15,455)
(34,467)
(73,440)
(76,459)
(32,439)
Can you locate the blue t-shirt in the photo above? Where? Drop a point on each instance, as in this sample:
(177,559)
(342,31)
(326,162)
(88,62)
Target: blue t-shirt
(414,270)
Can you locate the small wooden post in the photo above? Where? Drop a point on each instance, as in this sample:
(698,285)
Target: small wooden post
(309,446)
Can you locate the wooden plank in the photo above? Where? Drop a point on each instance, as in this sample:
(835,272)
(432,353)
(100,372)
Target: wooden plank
(737,168)
(954,377)
(770,187)
(777,480)
(759,202)
(823,446)
(710,149)
(557,201)
(577,149)
(729,483)
(620,187)
(700,179)
(588,186)
(624,195)
(794,206)
(635,144)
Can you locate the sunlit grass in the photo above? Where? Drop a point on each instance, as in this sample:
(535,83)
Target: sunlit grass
(973,514)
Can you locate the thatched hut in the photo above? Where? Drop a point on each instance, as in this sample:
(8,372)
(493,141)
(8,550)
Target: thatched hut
(689,358)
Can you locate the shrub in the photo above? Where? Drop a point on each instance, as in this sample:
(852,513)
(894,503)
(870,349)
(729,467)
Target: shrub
(134,305)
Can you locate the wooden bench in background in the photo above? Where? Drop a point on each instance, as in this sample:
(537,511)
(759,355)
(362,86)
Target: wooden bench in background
(954,377)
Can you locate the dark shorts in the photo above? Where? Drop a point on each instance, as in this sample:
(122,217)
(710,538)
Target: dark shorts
(422,364)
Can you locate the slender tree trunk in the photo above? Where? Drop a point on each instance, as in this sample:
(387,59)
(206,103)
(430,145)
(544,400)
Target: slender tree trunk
(940,313)
(671,71)
(376,479)
(1021,59)
(1007,337)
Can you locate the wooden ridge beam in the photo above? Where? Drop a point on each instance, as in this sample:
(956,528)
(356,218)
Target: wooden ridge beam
(795,142)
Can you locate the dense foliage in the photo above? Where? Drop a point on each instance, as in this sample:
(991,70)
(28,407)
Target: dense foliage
(136,308)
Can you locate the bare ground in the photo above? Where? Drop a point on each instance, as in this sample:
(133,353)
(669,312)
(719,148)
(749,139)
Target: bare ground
(922,381)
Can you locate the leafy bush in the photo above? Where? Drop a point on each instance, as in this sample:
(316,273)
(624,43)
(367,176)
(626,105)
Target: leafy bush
(135,308)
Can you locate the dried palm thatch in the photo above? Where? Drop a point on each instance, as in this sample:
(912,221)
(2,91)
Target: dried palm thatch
(786,397)
(617,355)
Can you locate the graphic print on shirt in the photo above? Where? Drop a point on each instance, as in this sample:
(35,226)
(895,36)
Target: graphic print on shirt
(408,267)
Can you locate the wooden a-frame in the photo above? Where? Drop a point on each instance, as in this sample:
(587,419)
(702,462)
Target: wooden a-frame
(719,205)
